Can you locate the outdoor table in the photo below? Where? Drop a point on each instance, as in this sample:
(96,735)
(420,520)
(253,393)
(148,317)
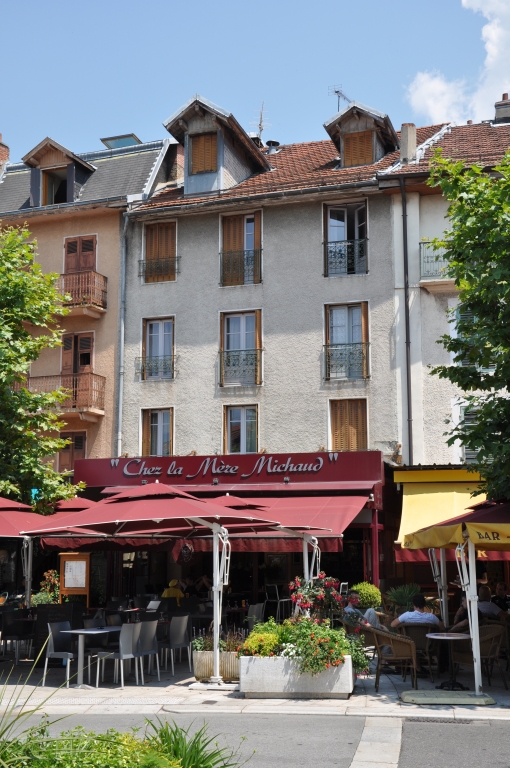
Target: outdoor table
(452,684)
(81,648)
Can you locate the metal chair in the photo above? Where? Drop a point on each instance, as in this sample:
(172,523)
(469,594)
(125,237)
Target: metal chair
(272,596)
(128,648)
(148,646)
(179,638)
(60,647)
(418,634)
(255,615)
(16,631)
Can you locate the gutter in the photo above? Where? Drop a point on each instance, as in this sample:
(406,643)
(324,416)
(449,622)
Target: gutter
(402,185)
(122,320)
(62,207)
(249,199)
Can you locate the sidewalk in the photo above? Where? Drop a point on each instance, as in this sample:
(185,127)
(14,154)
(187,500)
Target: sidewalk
(173,696)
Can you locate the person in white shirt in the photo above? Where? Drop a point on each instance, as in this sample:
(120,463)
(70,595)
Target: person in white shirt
(486,607)
(418,616)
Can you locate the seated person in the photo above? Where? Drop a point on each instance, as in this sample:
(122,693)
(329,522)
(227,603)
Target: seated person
(188,586)
(351,604)
(461,619)
(501,599)
(419,615)
(486,607)
(173,591)
(203,584)
(369,619)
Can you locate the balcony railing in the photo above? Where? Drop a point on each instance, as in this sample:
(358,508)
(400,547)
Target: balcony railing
(84,288)
(345,257)
(433,264)
(158,270)
(241,267)
(86,390)
(241,366)
(155,367)
(346,361)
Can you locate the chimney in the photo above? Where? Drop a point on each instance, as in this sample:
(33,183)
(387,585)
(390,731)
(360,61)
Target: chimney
(502,110)
(273,147)
(407,142)
(4,153)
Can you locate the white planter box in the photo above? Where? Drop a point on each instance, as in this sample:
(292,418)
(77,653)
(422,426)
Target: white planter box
(278,678)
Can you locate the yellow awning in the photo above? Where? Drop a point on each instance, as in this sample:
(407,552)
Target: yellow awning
(426,504)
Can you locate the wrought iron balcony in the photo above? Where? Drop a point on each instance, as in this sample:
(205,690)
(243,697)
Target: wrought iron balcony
(433,264)
(345,257)
(346,361)
(86,391)
(158,270)
(241,366)
(86,290)
(155,367)
(241,267)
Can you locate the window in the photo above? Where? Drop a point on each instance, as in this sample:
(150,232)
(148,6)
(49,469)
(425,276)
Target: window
(157,359)
(157,432)
(74,450)
(241,254)
(349,425)
(357,148)
(204,153)
(470,419)
(241,348)
(77,353)
(54,186)
(345,235)
(468,317)
(160,262)
(346,349)
(241,429)
(80,254)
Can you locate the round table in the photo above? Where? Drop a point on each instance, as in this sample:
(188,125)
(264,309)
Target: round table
(451,684)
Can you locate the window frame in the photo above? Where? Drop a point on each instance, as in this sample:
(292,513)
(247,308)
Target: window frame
(143,261)
(365,339)
(71,434)
(146,321)
(146,424)
(227,429)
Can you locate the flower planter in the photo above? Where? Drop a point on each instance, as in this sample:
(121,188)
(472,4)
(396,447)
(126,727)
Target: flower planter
(278,678)
(203,665)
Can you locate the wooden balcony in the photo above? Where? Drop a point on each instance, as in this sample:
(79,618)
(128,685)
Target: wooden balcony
(87,291)
(86,393)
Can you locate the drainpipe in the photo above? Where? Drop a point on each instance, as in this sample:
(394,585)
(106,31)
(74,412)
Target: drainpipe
(122,316)
(407,324)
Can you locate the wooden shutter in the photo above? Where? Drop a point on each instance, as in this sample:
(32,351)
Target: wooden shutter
(364,335)
(222,331)
(204,153)
(79,445)
(225,429)
(87,258)
(258,345)
(166,248)
(144,348)
(146,433)
(233,245)
(257,268)
(65,456)
(67,354)
(233,233)
(349,425)
(72,257)
(85,352)
(358,148)
(327,323)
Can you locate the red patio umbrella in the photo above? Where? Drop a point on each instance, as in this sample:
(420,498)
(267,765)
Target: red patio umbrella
(74,505)
(8,505)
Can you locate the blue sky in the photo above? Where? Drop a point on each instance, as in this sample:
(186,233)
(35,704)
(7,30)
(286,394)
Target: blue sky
(77,71)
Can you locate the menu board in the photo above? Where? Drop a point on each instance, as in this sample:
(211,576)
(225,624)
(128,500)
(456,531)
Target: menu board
(75,574)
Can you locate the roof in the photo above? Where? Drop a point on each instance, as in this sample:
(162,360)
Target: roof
(118,173)
(301,166)
(387,131)
(32,157)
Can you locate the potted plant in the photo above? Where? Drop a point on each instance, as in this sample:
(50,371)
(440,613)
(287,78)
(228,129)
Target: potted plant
(369,595)
(301,658)
(319,597)
(203,657)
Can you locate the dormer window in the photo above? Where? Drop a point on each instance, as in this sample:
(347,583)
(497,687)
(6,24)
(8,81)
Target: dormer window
(357,149)
(55,173)
(204,153)
(54,186)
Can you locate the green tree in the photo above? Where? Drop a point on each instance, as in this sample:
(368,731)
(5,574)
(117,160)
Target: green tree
(478,250)
(30,307)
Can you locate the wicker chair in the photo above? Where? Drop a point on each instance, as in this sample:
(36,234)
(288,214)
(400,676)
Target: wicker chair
(491,637)
(418,634)
(402,650)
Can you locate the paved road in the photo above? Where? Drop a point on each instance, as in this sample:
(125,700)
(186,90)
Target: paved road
(475,744)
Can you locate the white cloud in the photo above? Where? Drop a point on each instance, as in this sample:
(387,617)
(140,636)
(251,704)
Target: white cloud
(436,98)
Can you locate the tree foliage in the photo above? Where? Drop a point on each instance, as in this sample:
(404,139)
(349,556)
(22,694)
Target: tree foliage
(478,250)
(30,307)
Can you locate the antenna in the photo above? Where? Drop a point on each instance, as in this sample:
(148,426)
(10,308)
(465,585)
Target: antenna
(261,123)
(336,90)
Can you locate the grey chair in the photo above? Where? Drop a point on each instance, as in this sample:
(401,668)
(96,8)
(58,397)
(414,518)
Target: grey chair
(255,615)
(282,603)
(114,620)
(148,646)
(128,648)
(60,647)
(179,638)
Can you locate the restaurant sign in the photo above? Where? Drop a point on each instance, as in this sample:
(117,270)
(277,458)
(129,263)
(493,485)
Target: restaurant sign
(232,469)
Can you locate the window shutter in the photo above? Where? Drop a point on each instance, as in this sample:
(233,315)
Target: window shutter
(222,331)
(225,429)
(151,242)
(65,456)
(204,153)
(197,154)
(35,187)
(72,259)
(358,425)
(364,335)
(67,354)
(233,233)
(85,350)
(144,348)
(146,433)
(258,343)
(166,248)
(349,425)
(79,444)
(87,257)
(358,148)
(258,245)
(70,179)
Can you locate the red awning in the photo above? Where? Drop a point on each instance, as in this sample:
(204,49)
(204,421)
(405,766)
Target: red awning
(422,555)
(254,544)
(11,523)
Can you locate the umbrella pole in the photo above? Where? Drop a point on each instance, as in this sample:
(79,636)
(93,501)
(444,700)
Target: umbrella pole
(473,609)
(216,678)
(306,569)
(444,587)
(28,556)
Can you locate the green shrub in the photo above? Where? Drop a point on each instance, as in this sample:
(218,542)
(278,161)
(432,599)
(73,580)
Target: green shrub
(369,595)
(402,596)
(260,644)
(41,598)
(189,751)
